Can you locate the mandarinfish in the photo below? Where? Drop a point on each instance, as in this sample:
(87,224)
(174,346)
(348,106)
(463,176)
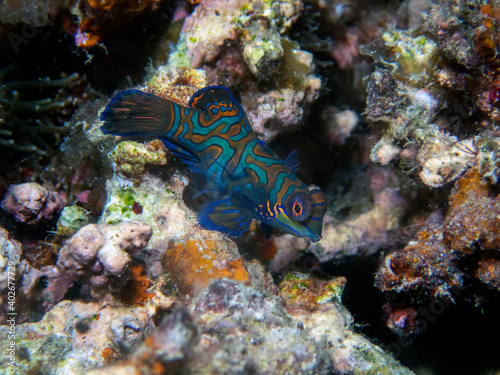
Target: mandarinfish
(213,136)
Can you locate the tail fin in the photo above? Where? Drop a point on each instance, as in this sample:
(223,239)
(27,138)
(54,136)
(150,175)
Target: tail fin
(137,113)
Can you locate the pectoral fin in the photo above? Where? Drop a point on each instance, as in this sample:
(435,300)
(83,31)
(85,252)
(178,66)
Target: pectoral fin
(267,230)
(227,216)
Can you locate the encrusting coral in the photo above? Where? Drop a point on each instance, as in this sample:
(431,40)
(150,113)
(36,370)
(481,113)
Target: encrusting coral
(71,219)
(197,260)
(266,53)
(131,158)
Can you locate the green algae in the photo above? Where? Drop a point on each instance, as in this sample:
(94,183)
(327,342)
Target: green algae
(132,158)
(71,219)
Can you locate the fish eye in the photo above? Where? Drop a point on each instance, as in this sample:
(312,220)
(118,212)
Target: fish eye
(298,207)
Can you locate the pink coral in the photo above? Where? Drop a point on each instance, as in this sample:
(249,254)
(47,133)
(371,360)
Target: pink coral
(101,251)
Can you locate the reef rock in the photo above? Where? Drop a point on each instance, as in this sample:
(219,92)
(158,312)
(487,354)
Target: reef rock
(213,332)
(315,306)
(31,203)
(37,290)
(71,219)
(436,266)
(208,39)
(76,336)
(132,158)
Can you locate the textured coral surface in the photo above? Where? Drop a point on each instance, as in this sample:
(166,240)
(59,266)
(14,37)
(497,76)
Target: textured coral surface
(393,108)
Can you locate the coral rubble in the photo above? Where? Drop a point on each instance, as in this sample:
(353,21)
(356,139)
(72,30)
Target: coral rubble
(445,258)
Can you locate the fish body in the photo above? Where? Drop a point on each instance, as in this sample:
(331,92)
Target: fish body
(213,136)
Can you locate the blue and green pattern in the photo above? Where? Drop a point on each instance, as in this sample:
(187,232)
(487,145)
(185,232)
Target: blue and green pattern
(213,137)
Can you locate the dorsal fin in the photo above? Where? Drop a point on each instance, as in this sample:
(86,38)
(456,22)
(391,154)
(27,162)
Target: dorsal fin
(216,100)
(293,161)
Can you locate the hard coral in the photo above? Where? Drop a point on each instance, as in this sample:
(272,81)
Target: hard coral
(406,117)
(444,258)
(71,219)
(307,293)
(162,206)
(163,351)
(421,100)
(461,31)
(225,306)
(31,203)
(209,39)
(367,231)
(473,221)
(176,84)
(445,159)
(227,21)
(73,335)
(412,59)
